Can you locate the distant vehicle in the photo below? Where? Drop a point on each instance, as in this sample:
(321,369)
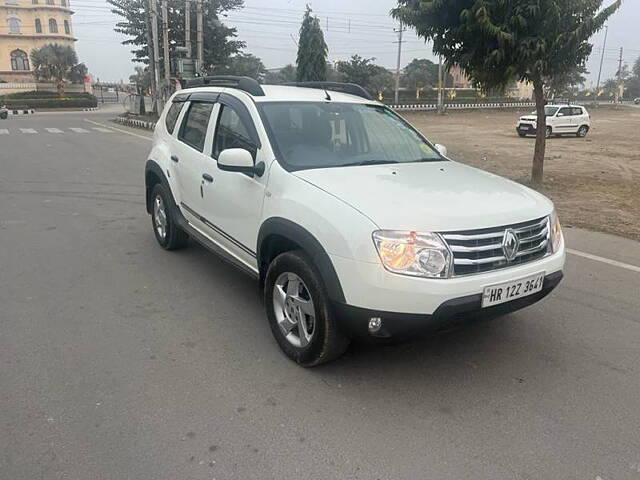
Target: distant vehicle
(637,101)
(4,113)
(354,224)
(561,120)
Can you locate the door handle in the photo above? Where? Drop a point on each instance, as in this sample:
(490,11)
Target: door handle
(207,178)
(175,159)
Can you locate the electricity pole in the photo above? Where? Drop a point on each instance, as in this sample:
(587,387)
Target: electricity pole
(440,91)
(199,45)
(606,32)
(156,56)
(152,60)
(397,88)
(165,47)
(620,90)
(187,27)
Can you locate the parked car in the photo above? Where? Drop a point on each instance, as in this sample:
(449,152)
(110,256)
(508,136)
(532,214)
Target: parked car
(561,120)
(353,223)
(4,113)
(636,101)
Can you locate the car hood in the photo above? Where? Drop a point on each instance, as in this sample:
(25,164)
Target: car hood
(433,196)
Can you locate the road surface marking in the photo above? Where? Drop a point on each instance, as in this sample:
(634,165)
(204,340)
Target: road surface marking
(53,130)
(4,131)
(78,130)
(28,130)
(608,261)
(102,129)
(119,130)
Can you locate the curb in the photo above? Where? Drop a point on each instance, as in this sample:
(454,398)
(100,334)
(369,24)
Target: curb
(132,122)
(462,106)
(21,111)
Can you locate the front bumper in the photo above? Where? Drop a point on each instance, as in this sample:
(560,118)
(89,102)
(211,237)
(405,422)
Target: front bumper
(400,326)
(526,128)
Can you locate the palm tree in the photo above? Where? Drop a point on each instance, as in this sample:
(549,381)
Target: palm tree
(54,62)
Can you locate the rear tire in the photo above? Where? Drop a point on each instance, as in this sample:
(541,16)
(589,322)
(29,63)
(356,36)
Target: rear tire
(299,311)
(582,131)
(168,234)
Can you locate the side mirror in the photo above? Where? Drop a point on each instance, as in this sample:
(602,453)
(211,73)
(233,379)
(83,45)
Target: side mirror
(239,160)
(442,150)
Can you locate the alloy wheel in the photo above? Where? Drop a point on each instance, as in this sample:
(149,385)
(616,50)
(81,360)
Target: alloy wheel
(294,310)
(160,217)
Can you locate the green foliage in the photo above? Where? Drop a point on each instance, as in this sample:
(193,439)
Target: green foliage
(54,62)
(495,41)
(247,65)
(219,40)
(286,74)
(78,73)
(43,95)
(567,81)
(420,73)
(83,101)
(311,61)
(363,72)
(142,77)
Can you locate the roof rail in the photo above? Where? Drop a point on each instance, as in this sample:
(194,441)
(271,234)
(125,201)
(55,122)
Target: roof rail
(350,88)
(246,84)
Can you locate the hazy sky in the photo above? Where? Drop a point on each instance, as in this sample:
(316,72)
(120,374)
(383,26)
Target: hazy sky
(270,28)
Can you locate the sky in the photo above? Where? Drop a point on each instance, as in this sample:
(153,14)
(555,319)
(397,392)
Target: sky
(270,28)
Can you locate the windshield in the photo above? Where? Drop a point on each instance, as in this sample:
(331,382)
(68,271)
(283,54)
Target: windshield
(548,111)
(319,135)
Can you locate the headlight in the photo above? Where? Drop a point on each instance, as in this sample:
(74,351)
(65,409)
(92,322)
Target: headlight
(414,254)
(555,235)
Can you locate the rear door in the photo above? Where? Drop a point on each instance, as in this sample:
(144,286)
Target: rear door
(189,157)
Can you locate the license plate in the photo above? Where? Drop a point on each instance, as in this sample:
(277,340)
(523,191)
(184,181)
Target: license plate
(525,127)
(508,291)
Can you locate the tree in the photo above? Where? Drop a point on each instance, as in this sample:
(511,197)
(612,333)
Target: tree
(562,82)
(286,74)
(141,79)
(420,73)
(219,40)
(632,85)
(54,63)
(311,61)
(495,41)
(247,65)
(363,72)
(78,73)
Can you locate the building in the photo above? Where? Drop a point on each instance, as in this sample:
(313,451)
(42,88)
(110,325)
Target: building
(26,25)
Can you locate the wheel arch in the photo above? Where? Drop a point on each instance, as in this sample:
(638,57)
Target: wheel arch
(153,175)
(278,235)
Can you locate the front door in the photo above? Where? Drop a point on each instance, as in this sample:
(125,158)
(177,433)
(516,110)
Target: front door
(232,203)
(563,120)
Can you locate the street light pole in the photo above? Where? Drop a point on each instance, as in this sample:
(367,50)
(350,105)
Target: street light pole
(396,97)
(604,47)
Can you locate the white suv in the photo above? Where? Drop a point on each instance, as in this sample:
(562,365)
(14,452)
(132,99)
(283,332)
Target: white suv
(561,120)
(353,223)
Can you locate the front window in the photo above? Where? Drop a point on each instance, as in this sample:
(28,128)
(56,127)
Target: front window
(320,135)
(231,133)
(548,111)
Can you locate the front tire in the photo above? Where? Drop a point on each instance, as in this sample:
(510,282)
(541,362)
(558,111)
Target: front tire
(299,311)
(167,232)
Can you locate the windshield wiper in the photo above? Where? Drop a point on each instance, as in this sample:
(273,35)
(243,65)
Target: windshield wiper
(369,162)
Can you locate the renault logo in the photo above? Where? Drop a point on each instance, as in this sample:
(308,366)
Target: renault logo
(510,244)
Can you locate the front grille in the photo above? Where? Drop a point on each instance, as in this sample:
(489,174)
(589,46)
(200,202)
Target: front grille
(477,251)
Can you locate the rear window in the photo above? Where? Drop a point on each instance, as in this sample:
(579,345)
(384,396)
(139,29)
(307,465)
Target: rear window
(194,126)
(172,116)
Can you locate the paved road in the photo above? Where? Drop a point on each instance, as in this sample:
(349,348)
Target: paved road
(121,361)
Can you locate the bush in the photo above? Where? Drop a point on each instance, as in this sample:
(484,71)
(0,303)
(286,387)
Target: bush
(85,101)
(44,94)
